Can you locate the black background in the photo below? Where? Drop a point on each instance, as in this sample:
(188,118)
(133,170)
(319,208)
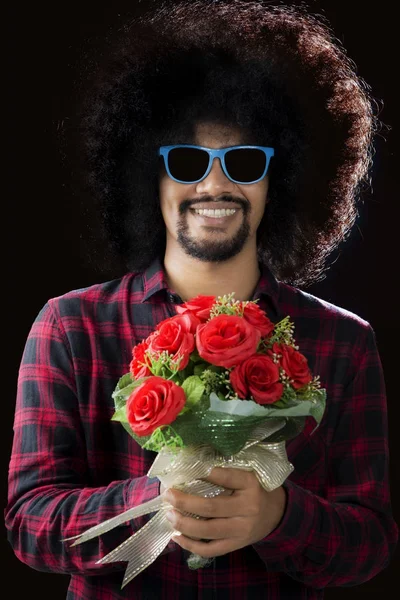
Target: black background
(45,67)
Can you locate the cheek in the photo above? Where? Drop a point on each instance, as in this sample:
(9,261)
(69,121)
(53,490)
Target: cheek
(171,195)
(257,196)
(258,203)
(163,192)
(168,199)
(261,199)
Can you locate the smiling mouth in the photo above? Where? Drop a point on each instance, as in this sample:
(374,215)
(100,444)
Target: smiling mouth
(217,213)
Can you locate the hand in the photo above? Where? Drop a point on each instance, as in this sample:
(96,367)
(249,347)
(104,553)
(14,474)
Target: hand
(244,518)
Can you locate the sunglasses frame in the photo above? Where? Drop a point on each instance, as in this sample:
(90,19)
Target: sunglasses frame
(216,153)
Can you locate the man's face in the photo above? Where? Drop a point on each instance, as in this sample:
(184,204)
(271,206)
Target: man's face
(211,236)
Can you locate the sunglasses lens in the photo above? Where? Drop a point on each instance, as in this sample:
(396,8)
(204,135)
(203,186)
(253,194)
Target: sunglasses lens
(245,164)
(187,164)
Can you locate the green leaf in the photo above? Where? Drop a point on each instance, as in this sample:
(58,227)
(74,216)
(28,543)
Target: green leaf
(163,437)
(288,397)
(194,389)
(195,357)
(123,382)
(120,415)
(200,368)
(121,394)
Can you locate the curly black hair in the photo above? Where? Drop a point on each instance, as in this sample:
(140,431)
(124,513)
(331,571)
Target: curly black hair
(275,71)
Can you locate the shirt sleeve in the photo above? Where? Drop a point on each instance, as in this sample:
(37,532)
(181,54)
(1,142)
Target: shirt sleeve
(49,492)
(348,536)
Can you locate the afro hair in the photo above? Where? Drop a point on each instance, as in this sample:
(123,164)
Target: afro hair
(275,71)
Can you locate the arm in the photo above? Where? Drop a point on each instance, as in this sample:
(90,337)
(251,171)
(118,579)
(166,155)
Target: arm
(348,536)
(50,497)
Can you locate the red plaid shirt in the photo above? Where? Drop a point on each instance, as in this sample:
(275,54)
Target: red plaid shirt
(71,467)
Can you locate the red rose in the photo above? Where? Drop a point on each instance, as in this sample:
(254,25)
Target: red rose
(200,306)
(294,364)
(175,336)
(226,340)
(156,402)
(257,376)
(254,315)
(139,365)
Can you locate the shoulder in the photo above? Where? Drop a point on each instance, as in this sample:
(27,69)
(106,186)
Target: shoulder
(303,304)
(323,319)
(309,304)
(104,298)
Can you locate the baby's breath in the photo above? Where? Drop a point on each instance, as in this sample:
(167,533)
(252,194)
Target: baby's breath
(231,395)
(311,390)
(214,381)
(283,377)
(226,305)
(162,364)
(283,333)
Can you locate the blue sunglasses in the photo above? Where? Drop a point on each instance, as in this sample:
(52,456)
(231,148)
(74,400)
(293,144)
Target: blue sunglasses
(241,164)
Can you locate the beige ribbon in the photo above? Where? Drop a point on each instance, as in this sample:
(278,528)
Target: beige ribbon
(186,470)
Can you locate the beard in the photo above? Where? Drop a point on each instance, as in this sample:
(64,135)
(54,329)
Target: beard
(212,250)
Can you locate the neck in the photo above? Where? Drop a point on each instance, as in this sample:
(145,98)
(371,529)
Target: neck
(189,277)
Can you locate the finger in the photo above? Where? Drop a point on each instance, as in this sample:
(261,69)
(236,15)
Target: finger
(210,529)
(234,479)
(206,549)
(209,508)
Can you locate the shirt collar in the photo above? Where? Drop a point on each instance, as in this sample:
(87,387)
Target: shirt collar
(155,281)
(268,288)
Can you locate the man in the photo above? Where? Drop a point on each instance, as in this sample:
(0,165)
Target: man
(269,90)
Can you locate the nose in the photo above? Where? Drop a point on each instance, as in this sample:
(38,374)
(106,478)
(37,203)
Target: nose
(216,181)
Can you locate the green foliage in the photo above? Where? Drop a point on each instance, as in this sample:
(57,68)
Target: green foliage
(227,305)
(194,389)
(124,389)
(215,379)
(164,365)
(164,437)
(120,414)
(282,334)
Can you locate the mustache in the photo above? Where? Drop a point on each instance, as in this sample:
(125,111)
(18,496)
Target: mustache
(188,203)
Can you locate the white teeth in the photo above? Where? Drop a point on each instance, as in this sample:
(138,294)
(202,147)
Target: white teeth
(215,214)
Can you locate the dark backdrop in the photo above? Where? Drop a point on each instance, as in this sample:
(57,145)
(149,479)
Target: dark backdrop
(45,66)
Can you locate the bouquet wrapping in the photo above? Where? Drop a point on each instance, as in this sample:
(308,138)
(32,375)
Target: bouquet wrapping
(218,384)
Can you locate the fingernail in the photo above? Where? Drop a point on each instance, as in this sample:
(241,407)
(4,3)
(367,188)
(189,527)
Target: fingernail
(170,515)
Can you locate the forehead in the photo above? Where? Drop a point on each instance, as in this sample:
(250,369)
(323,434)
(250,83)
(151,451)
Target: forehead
(218,135)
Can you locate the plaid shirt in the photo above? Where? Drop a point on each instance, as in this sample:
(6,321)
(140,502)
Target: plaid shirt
(71,467)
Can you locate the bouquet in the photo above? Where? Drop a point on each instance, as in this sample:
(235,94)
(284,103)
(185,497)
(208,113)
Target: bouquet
(218,384)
